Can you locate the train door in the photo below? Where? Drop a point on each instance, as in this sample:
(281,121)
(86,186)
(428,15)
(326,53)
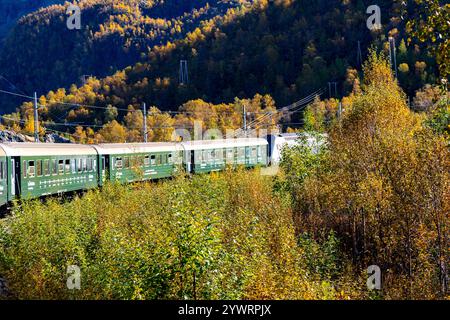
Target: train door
(105,167)
(14,177)
(192,161)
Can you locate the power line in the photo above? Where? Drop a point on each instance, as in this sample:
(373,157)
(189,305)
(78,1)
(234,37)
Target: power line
(308,99)
(12,85)
(16,94)
(292,108)
(121,109)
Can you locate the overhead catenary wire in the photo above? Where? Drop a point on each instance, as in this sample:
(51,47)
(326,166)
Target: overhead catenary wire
(118,109)
(292,108)
(300,102)
(12,85)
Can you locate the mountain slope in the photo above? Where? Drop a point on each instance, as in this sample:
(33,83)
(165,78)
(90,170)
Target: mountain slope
(42,54)
(12,10)
(287,49)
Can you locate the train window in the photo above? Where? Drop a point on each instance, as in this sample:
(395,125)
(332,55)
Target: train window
(147,161)
(126,162)
(153,159)
(140,161)
(31,169)
(219,154)
(79,165)
(94,164)
(204,157)
(212,154)
(259,151)
(39,168)
(54,167)
(118,163)
(61,166)
(197,157)
(170,158)
(84,165)
(46,167)
(89,165)
(2,168)
(241,152)
(254,153)
(67,166)
(73,165)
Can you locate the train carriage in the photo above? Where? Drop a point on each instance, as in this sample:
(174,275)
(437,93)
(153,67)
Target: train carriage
(35,170)
(202,156)
(129,162)
(32,170)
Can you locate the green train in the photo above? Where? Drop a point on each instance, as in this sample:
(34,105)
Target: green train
(33,170)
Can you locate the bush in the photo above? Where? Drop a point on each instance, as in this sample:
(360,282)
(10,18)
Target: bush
(219,236)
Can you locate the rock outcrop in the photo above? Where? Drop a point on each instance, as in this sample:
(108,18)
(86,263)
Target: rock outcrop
(11,136)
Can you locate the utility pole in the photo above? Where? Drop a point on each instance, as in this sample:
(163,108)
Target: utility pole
(244,115)
(184,75)
(359,55)
(393,55)
(85,77)
(271,121)
(340,110)
(145,122)
(335,88)
(36,122)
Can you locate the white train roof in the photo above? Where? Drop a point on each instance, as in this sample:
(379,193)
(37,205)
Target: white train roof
(14,149)
(223,143)
(30,149)
(124,148)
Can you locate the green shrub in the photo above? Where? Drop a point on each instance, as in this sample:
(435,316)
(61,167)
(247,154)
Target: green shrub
(219,236)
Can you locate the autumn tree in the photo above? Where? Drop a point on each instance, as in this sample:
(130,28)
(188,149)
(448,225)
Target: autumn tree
(112,132)
(429,24)
(384,188)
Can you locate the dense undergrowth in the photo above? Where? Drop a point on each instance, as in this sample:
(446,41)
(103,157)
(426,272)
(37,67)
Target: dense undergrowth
(376,193)
(220,236)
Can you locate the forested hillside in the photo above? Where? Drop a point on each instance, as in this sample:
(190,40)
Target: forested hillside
(12,10)
(41,53)
(285,49)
